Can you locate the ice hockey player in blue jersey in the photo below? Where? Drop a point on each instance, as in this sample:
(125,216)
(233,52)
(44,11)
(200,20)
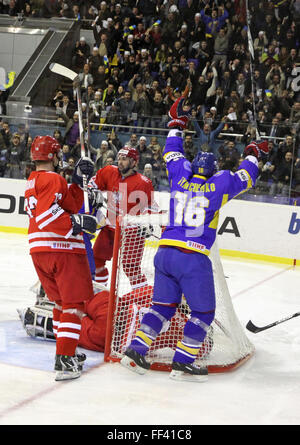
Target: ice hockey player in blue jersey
(182,264)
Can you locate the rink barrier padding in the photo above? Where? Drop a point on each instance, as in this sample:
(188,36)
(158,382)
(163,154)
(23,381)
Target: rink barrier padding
(18,230)
(258,257)
(247,230)
(235,254)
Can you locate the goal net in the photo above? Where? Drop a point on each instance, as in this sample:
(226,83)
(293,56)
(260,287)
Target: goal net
(136,241)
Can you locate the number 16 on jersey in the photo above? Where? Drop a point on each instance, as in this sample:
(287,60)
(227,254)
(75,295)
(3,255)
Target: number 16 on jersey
(190,212)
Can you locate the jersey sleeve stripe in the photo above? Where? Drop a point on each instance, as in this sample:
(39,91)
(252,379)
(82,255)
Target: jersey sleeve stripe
(49,220)
(67,236)
(52,210)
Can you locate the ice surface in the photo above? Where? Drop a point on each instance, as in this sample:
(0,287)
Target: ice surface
(266,390)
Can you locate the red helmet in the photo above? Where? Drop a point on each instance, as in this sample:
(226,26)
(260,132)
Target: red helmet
(43,148)
(129,152)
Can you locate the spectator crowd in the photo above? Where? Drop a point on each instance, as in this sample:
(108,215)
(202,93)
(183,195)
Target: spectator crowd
(143,55)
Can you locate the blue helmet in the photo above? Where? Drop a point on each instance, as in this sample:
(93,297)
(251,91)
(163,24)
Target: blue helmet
(204,164)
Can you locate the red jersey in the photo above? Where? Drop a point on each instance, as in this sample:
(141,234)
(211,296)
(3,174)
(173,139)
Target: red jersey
(49,202)
(126,195)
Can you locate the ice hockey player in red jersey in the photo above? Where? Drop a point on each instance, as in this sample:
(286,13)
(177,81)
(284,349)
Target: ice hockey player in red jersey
(57,247)
(128,192)
(37,320)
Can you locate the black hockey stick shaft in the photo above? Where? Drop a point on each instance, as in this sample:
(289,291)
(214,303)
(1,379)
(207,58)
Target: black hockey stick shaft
(255,329)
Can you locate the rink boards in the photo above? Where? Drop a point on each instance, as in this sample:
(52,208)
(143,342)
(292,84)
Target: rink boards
(246,229)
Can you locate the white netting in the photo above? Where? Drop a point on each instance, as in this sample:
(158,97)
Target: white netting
(226,345)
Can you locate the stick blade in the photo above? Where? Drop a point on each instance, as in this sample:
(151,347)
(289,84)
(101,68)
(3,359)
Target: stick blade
(62,70)
(252,328)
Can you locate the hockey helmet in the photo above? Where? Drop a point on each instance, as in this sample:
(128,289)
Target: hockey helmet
(204,164)
(43,148)
(129,152)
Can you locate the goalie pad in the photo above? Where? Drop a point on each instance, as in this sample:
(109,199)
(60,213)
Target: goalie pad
(41,297)
(37,319)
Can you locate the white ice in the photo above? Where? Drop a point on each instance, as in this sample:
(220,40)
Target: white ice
(265,391)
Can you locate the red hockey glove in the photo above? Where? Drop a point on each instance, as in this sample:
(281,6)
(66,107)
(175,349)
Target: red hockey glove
(264,147)
(179,116)
(257,149)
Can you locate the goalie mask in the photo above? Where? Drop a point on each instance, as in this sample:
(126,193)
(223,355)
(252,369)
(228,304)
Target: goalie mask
(37,322)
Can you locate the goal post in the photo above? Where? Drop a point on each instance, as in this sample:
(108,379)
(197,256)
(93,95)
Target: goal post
(226,346)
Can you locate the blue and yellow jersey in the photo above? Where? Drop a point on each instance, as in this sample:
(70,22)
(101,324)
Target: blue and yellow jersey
(195,200)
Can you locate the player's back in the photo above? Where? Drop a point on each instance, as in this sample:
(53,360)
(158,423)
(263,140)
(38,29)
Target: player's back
(195,203)
(48,203)
(194,213)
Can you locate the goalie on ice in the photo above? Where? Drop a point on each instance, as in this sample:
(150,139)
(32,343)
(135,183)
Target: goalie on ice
(182,265)
(38,320)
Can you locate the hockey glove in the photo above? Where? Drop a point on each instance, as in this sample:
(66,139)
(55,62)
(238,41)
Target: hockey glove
(83,167)
(180,114)
(257,149)
(83,223)
(96,198)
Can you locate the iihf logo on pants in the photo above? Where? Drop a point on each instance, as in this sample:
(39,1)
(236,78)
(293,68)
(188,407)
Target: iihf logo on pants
(294,226)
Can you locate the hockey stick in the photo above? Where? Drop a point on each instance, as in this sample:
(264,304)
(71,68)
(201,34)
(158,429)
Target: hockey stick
(255,329)
(66,72)
(88,135)
(251,61)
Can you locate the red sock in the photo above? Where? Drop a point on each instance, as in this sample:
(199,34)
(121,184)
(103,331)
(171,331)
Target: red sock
(56,318)
(68,334)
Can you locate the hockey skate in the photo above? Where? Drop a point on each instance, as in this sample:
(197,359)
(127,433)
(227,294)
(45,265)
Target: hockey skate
(135,362)
(67,367)
(188,372)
